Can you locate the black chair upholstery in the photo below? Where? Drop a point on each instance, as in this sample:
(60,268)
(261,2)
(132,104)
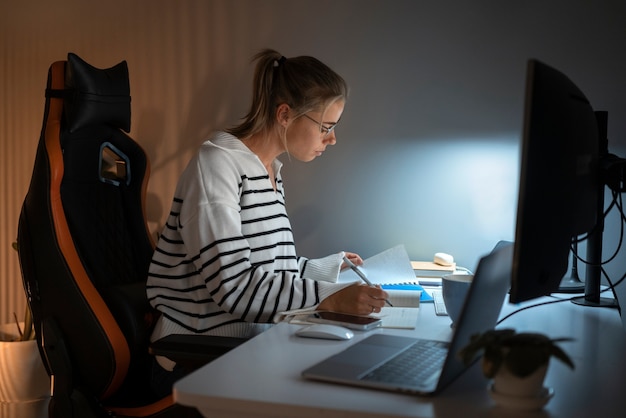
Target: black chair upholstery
(84,249)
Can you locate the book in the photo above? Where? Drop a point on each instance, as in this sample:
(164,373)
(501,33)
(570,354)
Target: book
(431,269)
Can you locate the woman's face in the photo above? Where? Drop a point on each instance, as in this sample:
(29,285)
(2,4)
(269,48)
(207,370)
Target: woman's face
(304,139)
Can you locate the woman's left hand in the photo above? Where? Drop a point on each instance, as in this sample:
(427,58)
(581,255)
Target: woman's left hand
(354,258)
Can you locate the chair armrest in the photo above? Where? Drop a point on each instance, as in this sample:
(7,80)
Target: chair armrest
(193,350)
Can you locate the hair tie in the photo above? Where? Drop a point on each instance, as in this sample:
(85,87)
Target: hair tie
(281,60)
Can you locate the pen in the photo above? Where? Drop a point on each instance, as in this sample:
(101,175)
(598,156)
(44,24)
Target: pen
(360,274)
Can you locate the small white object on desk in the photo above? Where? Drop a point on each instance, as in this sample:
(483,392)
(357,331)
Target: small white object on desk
(443,259)
(325,331)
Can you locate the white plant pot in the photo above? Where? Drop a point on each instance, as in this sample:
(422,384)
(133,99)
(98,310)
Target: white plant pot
(30,409)
(23,377)
(526,393)
(506,383)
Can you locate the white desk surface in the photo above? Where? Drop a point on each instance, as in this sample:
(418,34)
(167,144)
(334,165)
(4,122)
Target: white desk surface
(261,378)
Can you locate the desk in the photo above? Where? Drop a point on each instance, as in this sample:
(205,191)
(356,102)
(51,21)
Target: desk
(261,378)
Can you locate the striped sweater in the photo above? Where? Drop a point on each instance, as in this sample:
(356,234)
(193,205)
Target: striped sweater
(226,258)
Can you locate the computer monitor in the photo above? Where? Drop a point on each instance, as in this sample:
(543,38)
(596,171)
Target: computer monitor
(560,190)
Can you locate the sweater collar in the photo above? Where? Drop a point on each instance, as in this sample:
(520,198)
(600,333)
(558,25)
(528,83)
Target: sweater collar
(226,140)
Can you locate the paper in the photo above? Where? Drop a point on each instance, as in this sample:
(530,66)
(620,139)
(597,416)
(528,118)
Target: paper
(391,266)
(398,317)
(405,298)
(405,318)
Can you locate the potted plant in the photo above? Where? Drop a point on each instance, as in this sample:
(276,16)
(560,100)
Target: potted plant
(517,363)
(25,330)
(24,382)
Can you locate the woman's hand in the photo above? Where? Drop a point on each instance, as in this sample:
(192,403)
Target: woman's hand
(358,299)
(354,258)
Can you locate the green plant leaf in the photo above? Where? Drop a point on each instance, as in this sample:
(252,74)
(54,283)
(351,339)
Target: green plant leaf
(557,352)
(522,353)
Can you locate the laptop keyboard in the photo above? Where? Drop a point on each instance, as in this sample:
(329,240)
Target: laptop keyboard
(412,366)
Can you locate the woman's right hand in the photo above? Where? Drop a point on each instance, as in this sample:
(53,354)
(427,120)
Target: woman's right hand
(358,299)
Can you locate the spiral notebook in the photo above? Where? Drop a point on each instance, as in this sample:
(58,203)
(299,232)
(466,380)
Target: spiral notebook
(424,295)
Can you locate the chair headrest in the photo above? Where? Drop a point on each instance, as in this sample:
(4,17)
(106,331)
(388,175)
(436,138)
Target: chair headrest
(96,96)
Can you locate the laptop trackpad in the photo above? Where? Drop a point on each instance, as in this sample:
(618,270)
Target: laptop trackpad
(361,357)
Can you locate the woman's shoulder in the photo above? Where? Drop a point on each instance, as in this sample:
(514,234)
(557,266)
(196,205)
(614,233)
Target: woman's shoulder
(222,148)
(220,162)
(225,152)
(224,142)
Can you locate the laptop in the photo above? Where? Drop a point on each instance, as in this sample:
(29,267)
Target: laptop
(381,361)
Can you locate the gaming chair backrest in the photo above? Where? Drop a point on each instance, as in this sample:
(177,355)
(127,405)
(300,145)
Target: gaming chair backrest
(84,244)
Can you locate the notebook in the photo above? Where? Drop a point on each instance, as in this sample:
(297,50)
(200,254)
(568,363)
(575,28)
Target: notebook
(425,297)
(358,364)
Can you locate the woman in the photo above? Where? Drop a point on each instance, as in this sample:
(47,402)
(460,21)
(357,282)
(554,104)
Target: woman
(226,261)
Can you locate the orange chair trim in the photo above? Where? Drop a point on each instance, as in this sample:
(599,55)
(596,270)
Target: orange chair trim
(64,238)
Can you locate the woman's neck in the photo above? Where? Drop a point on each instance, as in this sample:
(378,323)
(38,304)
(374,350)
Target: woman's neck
(266,147)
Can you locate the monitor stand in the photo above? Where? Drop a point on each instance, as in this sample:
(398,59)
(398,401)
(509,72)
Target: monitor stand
(593,273)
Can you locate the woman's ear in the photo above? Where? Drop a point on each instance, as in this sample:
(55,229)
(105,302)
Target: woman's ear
(283,114)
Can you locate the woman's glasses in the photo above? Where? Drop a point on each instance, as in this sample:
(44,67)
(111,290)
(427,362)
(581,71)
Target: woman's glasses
(325,130)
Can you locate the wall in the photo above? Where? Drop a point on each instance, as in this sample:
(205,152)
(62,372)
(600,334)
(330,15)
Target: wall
(427,151)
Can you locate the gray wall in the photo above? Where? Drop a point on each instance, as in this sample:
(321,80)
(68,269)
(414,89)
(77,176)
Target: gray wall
(428,148)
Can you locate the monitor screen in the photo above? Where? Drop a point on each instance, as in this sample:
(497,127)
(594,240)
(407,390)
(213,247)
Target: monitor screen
(559,181)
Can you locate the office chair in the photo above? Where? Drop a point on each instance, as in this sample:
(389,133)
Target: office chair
(84,251)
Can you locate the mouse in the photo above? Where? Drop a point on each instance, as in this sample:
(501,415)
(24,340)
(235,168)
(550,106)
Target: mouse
(325,331)
(443,259)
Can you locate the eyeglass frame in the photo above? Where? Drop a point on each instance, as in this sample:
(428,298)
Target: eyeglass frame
(326,130)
